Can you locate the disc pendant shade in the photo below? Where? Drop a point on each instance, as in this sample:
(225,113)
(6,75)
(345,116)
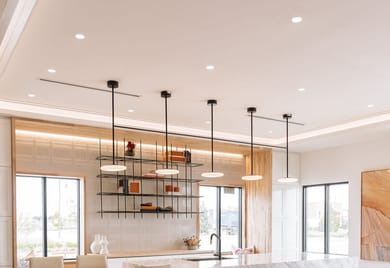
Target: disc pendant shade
(212,173)
(114,167)
(166,170)
(287,179)
(251,177)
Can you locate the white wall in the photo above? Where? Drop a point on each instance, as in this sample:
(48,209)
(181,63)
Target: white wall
(285,203)
(5,194)
(346,163)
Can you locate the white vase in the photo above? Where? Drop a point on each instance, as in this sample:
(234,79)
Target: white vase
(104,245)
(95,245)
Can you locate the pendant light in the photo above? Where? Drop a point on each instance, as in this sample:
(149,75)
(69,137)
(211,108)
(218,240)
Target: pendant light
(287,179)
(166,171)
(212,173)
(251,177)
(114,167)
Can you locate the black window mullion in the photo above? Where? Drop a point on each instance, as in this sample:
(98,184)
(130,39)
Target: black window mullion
(44,208)
(78,218)
(239,217)
(304,207)
(326,220)
(219,232)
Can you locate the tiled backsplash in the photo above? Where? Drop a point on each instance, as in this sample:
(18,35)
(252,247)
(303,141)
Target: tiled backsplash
(135,232)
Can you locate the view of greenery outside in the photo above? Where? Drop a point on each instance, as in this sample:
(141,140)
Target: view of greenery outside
(62,216)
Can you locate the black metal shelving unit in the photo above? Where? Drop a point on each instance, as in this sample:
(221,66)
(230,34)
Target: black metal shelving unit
(127,202)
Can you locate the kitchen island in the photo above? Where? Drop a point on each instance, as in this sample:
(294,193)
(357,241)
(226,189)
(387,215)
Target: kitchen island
(277,260)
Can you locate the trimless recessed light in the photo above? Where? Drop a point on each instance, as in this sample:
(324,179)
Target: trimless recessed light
(79,36)
(370,105)
(210,67)
(130,111)
(31,95)
(296,19)
(301,89)
(52,71)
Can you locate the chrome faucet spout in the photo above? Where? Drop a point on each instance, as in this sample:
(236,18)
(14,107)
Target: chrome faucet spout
(219,244)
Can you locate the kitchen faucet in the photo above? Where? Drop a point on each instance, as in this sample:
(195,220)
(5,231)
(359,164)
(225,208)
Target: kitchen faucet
(218,245)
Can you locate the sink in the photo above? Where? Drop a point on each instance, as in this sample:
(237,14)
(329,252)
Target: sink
(214,258)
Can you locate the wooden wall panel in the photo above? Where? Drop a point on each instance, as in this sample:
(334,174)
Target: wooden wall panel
(259,203)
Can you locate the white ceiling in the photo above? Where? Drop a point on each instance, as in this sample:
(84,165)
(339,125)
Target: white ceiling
(340,54)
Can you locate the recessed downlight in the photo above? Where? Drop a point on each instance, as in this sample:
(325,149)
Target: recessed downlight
(130,111)
(301,89)
(210,67)
(208,122)
(370,105)
(270,131)
(52,71)
(296,19)
(79,36)
(31,95)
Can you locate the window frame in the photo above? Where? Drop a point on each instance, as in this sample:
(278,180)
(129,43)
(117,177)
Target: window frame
(326,214)
(218,209)
(80,210)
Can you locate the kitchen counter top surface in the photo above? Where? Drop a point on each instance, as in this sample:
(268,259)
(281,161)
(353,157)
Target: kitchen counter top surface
(157,253)
(277,260)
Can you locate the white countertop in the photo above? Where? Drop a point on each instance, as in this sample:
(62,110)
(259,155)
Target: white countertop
(284,259)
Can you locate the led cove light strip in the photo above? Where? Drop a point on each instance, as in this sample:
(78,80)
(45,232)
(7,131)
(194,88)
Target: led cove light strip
(95,140)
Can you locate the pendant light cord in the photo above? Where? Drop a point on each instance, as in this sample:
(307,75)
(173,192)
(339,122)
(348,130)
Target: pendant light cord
(113,124)
(212,137)
(287,145)
(166,132)
(251,142)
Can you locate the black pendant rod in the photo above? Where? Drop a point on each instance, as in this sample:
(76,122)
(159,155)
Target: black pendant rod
(113,84)
(212,103)
(251,110)
(165,94)
(287,117)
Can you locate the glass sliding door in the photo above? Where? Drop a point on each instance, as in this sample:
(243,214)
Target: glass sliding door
(227,200)
(325,223)
(314,222)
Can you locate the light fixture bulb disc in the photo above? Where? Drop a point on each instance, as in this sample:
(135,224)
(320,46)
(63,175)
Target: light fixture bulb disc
(113,168)
(251,177)
(287,180)
(167,171)
(212,174)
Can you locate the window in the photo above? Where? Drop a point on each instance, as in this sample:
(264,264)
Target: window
(325,218)
(49,221)
(227,200)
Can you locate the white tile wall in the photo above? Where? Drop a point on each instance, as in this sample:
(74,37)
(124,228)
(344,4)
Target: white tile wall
(5,193)
(6,241)
(124,234)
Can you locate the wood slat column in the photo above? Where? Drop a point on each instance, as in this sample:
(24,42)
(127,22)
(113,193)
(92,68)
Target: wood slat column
(258,198)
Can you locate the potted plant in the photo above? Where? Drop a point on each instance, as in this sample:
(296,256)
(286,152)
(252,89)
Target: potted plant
(130,148)
(192,242)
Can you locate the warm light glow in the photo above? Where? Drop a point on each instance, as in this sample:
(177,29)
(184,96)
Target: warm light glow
(79,36)
(130,111)
(96,140)
(296,19)
(287,180)
(210,67)
(251,178)
(167,171)
(52,71)
(301,89)
(370,105)
(212,174)
(113,168)
(31,95)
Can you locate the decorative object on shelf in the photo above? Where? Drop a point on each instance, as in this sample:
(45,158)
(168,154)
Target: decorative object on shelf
(114,167)
(123,186)
(168,188)
(251,177)
(192,242)
(166,171)
(104,245)
(287,179)
(134,187)
(187,155)
(212,173)
(130,149)
(176,189)
(175,156)
(95,245)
